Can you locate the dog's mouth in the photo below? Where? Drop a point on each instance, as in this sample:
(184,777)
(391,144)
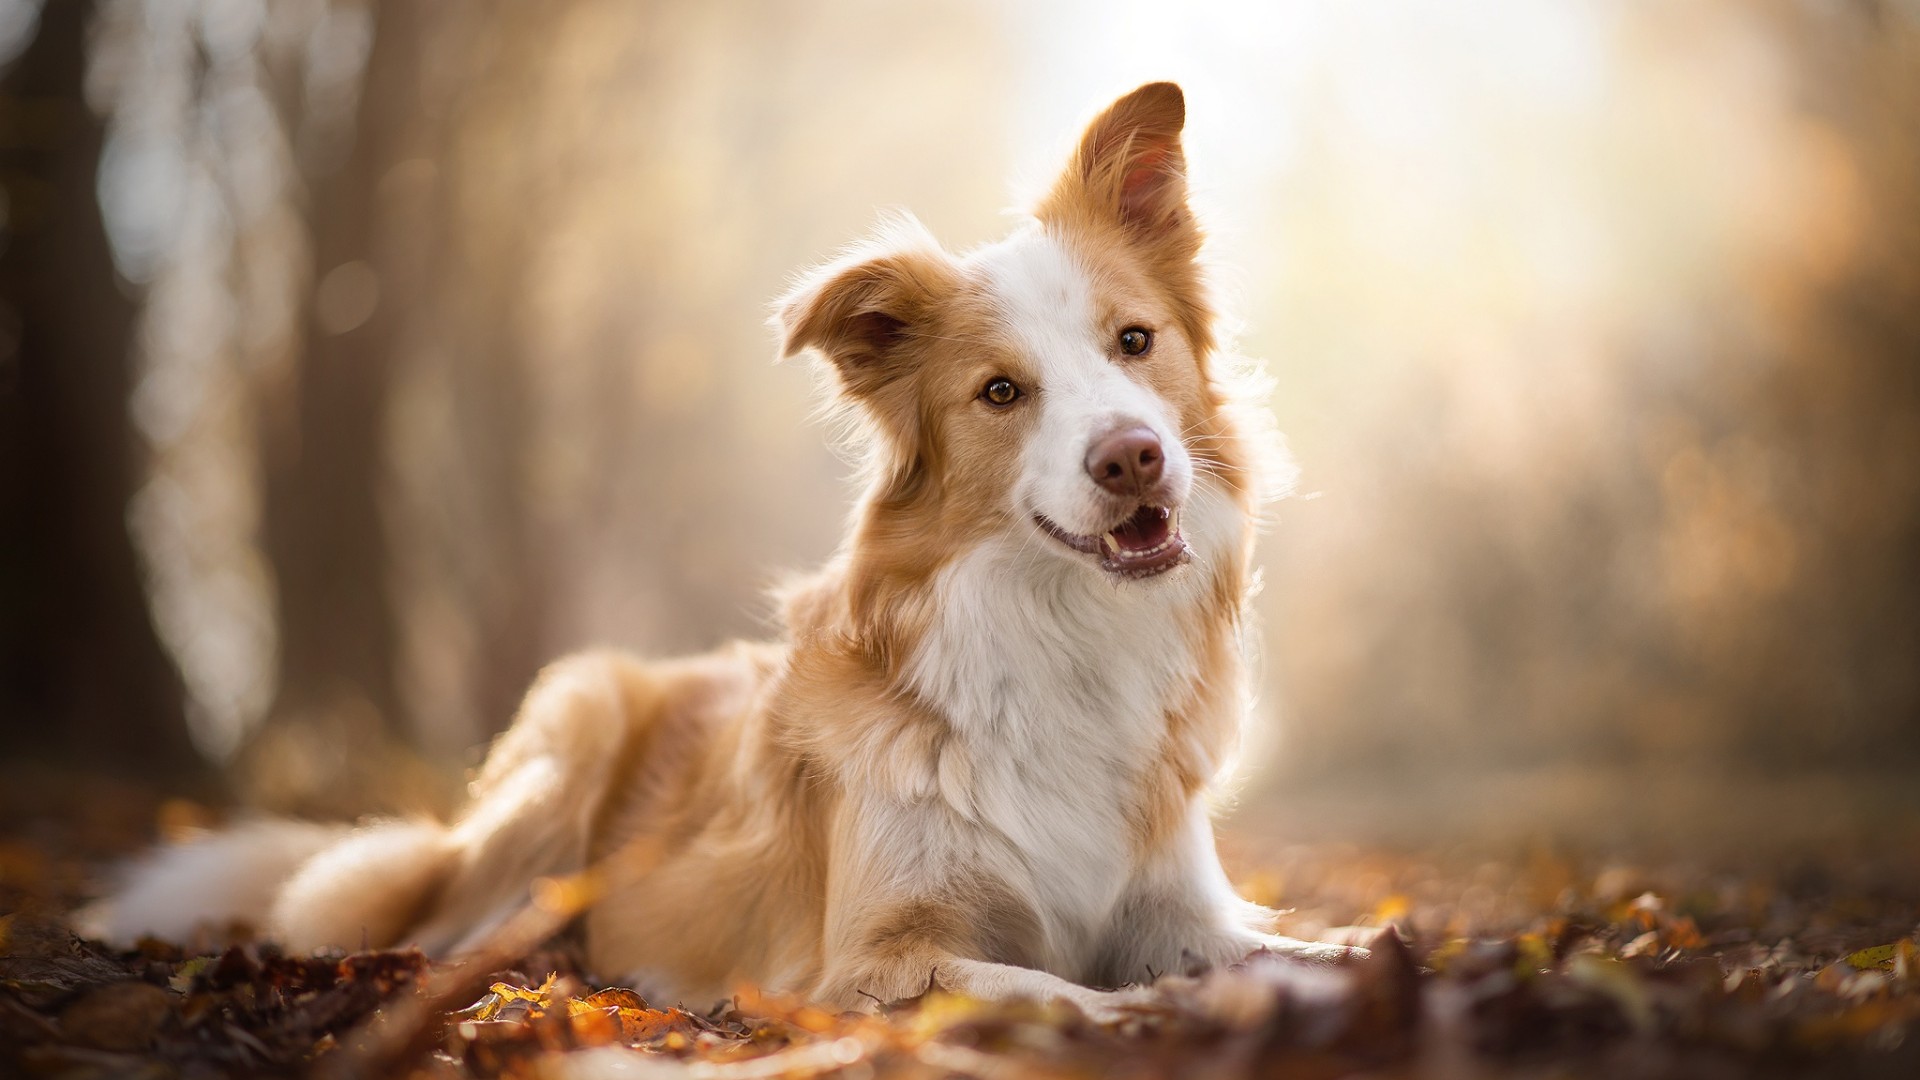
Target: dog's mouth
(1146,543)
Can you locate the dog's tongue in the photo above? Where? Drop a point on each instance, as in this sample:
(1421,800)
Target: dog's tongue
(1145,530)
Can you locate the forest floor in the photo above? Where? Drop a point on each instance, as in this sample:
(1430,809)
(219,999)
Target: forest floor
(1526,961)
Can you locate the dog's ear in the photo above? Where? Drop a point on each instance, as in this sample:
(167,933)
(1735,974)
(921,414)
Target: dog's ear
(865,311)
(1129,169)
(1128,181)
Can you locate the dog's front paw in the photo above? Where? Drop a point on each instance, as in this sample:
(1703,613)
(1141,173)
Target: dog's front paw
(1110,1007)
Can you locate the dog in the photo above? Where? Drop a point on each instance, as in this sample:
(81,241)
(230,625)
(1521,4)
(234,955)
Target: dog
(981,757)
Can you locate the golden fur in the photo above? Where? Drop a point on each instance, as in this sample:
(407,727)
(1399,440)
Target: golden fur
(745,802)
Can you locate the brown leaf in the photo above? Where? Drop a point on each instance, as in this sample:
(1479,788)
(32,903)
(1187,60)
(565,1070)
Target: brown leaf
(648,1025)
(40,981)
(618,997)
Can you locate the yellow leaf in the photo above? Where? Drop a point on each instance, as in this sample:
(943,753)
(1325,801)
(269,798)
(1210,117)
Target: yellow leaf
(1445,954)
(501,995)
(508,992)
(1878,958)
(183,976)
(1535,954)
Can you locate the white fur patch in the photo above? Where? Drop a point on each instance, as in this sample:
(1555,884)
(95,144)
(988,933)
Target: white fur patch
(209,882)
(1055,676)
(1056,679)
(1047,303)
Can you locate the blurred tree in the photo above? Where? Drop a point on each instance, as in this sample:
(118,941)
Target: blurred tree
(395,249)
(321,428)
(81,671)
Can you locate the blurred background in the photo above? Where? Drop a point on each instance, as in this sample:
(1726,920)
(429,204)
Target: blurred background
(357,358)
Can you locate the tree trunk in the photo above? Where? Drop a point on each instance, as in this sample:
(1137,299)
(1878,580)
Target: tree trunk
(82,673)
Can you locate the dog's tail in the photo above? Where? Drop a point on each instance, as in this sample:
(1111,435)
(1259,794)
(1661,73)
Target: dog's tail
(305,885)
(442,887)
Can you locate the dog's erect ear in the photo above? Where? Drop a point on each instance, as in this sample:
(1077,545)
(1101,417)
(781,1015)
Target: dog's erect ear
(1129,168)
(864,310)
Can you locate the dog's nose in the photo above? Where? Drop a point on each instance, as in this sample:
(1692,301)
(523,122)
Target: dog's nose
(1126,461)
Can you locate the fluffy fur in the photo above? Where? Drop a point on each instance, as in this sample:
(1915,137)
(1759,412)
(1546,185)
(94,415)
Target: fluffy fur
(982,752)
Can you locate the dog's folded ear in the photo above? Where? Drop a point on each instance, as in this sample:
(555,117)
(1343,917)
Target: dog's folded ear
(1129,169)
(867,311)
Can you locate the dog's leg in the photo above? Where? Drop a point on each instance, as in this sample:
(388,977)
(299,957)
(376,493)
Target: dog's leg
(539,792)
(366,891)
(1181,916)
(913,903)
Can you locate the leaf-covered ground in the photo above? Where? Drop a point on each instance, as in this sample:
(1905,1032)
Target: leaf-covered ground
(1536,963)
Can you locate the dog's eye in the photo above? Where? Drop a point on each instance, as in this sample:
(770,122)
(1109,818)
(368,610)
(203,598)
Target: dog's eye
(1000,392)
(1135,340)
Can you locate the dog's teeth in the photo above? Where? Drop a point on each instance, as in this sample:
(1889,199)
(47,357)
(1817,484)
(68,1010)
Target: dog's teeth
(1113,546)
(1173,524)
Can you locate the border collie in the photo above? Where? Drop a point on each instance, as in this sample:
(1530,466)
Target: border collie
(981,755)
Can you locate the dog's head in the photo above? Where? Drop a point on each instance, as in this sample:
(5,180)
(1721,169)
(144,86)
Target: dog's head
(1056,382)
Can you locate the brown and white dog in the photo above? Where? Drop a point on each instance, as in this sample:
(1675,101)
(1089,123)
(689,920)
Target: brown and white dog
(983,752)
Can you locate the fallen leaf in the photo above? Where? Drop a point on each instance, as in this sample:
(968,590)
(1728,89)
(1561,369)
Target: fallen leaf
(1878,958)
(184,976)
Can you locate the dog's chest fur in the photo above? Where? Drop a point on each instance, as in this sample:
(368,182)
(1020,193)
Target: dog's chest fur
(1056,686)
